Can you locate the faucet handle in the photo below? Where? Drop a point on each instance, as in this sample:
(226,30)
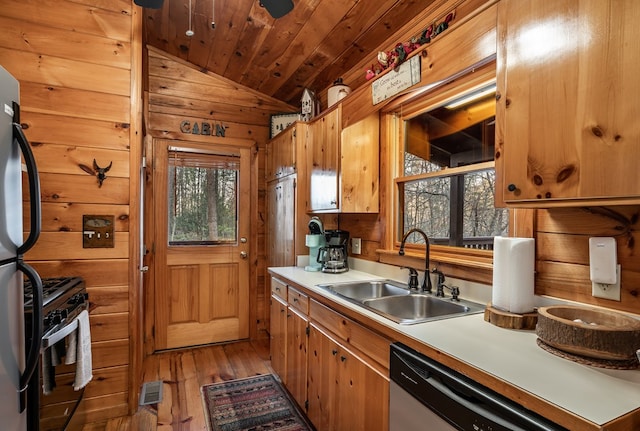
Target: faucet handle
(440,275)
(413,279)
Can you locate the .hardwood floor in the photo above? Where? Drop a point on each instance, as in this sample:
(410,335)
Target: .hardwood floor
(183,373)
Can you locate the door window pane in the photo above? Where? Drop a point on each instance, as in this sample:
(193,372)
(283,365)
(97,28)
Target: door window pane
(203,196)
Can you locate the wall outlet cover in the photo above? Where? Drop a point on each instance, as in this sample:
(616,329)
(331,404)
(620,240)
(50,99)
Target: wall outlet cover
(607,291)
(356,246)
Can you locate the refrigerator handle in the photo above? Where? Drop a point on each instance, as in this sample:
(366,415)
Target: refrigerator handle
(33,352)
(34,189)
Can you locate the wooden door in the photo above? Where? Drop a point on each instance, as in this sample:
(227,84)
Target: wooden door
(202,223)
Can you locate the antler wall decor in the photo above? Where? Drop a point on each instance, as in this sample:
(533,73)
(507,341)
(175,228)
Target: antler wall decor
(100,173)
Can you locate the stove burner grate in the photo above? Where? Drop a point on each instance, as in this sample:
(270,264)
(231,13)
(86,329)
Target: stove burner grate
(52,288)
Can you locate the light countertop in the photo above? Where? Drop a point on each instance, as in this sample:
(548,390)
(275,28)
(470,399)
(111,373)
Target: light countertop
(595,394)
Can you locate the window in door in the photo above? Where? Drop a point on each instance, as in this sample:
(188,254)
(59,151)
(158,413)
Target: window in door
(446,186)
(202,198)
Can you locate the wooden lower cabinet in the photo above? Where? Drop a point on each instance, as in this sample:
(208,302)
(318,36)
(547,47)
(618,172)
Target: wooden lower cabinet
(344,391)
(335,368)
(278,332)
(296,370)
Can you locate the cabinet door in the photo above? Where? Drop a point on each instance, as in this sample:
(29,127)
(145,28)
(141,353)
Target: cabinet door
(281,154)
(345,393)
(322,380)
(323,162)
(281,222)
(567,73)
(363,395)
(278,332)
(297,342)
(359,167)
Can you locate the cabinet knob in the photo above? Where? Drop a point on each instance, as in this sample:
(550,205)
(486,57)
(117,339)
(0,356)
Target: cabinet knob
(512,187)
(343,358)
(334,352)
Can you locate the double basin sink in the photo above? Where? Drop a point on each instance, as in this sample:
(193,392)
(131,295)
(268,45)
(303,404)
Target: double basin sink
(396,302)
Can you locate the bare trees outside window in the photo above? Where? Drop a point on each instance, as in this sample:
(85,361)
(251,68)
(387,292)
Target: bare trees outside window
(202,199)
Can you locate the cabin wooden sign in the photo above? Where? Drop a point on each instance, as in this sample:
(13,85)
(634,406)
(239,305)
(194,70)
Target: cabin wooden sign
(203,128)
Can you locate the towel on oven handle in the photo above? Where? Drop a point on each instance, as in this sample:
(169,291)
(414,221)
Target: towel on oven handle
(79,351)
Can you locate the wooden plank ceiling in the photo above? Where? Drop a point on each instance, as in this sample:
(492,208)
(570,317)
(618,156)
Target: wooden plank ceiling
(317,42)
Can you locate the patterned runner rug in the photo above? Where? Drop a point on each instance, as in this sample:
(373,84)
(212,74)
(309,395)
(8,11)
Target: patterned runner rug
(257,403)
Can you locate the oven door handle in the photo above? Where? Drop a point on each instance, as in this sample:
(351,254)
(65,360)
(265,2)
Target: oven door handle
(60,334)
(33,354)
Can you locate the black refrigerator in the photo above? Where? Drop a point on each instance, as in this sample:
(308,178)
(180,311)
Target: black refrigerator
(17,360)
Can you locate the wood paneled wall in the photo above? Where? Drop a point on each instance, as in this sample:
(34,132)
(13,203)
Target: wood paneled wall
(562,252)
(179,91)
(75,61)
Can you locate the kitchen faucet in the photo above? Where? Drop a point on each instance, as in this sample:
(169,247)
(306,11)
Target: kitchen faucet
(426,283)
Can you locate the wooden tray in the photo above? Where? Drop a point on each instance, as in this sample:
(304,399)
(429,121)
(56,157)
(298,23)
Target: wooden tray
(508,320)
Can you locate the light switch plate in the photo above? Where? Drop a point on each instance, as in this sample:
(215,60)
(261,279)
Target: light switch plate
(97,231)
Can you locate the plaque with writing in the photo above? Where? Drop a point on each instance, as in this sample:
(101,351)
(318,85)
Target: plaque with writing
(397,80)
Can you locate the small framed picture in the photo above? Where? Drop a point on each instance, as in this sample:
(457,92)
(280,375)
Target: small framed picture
(279,122)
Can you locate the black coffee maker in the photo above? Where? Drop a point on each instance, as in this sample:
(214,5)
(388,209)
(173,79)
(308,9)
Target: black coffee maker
(333,256)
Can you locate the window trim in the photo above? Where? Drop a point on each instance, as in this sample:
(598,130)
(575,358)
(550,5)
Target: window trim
(469,264)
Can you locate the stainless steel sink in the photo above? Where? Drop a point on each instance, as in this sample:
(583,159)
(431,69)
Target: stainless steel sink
(369,289)
(396,302)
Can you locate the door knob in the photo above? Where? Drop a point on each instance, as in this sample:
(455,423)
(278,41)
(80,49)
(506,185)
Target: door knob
(243,240)
(243,254)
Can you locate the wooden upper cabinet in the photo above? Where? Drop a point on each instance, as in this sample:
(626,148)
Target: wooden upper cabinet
(323,153)
(344,164)
(281,222)
(281,154)
(568,102)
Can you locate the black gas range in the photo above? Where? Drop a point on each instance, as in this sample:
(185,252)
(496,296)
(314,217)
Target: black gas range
(63,299)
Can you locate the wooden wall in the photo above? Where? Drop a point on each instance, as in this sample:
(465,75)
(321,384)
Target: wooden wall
(75,61)
(177,91)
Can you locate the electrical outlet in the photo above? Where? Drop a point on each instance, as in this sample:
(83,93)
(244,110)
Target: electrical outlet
(607,291)
(356,245)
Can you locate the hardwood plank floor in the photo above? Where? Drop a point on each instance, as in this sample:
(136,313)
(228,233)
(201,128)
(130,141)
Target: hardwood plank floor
(183,372)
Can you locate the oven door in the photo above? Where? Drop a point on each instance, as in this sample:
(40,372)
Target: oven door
(59,401)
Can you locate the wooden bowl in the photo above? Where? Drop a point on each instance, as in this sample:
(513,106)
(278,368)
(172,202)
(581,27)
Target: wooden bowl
(589,332)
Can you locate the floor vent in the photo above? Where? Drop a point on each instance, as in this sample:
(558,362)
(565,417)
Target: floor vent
(151,393)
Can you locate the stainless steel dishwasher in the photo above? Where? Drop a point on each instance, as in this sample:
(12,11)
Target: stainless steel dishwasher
(426,395)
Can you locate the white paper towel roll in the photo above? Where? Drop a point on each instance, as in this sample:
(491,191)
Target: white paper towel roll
(513,274)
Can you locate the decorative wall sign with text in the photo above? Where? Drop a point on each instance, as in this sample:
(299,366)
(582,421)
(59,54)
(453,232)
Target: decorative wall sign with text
(396,80)
(203,128)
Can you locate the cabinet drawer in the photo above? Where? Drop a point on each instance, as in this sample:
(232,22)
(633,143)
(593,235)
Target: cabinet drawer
(351,333)
(278,288)
(298,300)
